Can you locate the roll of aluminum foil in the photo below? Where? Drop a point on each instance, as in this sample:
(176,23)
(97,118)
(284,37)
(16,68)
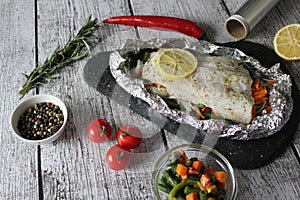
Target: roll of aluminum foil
(243,21)
(261,126)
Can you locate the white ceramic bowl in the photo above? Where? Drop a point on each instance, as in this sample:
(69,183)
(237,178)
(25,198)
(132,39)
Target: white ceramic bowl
(25,104)
(209,156)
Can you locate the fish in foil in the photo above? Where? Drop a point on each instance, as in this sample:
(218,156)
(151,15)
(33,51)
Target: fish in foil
(218,82)
(227,91)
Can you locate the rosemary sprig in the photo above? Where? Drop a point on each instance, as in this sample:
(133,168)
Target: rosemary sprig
(75,49)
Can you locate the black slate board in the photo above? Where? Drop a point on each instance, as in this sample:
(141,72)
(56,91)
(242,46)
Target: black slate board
(242,154)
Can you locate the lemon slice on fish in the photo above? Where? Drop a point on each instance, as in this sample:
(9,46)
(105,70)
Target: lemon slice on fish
(175,63)
(287,42)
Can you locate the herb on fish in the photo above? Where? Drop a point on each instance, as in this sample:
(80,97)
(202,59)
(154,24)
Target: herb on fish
(135,60)
(76,48)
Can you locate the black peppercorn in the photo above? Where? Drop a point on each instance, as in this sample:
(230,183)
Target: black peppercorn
(38,122)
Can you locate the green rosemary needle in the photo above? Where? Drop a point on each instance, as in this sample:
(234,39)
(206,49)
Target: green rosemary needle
(75,49)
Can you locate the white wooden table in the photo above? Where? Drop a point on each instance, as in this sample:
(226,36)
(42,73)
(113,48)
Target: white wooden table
(73,167)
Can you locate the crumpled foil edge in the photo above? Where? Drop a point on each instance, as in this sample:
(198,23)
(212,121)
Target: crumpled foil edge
(261,126)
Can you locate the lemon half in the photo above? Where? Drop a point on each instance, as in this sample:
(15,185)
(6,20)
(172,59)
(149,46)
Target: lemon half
(175,63)
(287,42)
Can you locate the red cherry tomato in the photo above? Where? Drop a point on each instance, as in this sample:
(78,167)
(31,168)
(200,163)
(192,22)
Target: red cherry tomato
(99,130)
(129,137)
(118,158)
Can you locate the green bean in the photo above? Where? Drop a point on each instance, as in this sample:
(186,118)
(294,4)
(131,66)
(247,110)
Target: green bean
(220,197)
(202,195)
(170,179)
(164,188)
(212,180)
(172,167)
(164,181)
(180,196)
(179,186)
(188,162)
(194,177)
(175,157)
(194,159)
(188,190)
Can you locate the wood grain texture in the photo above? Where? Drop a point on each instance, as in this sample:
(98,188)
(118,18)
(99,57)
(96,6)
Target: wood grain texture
(18,177)
(200,12)
(80,170)
(272,174)
(261,182)
(75,168)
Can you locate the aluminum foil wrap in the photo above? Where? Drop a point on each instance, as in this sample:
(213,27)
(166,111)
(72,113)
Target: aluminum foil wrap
(261,126)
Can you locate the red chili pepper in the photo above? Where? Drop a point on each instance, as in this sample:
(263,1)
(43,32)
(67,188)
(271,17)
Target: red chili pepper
(161,23)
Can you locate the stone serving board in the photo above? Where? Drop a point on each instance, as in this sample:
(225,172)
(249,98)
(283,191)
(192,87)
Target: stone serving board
(242,154)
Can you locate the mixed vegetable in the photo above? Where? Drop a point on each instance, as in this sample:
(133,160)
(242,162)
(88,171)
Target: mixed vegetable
(189,179)
(260,93)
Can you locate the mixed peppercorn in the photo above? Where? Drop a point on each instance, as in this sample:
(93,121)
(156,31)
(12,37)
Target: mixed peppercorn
(40,121)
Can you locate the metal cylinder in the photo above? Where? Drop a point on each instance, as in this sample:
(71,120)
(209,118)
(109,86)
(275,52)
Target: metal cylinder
(243,21)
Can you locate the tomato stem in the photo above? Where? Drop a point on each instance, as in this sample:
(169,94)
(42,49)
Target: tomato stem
(125,133)
(103,129)
(120,155)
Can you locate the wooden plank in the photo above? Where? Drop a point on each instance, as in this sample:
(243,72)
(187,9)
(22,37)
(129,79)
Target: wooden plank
(269,185)
(200,12)
(277,180)
(284,13)
(18,160)
(74,167)
(266,182)
(274,188)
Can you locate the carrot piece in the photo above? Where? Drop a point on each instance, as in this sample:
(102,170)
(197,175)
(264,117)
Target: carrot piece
(192,196)
(253,111)
(182,156)
(181,170)
(260,100)
(208,185)
(206,109)
(222,185)
(209,171)
(221,177)
(260,93)
(204,180)
(181,153)
(197,165)
(257,84)
(198,111)
(184,177)
(217,114)
(268,108)
(271,82)
(193,171)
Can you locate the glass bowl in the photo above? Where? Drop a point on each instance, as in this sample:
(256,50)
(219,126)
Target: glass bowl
(207,155)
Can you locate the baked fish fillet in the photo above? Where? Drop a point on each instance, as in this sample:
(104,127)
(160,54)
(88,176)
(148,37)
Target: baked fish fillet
(218,82)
